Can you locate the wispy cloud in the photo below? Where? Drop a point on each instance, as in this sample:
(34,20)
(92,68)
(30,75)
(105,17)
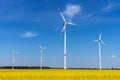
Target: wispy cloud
(72,10)
(91,14)
(110,7)
(112,56)
(88,15)
(29,34)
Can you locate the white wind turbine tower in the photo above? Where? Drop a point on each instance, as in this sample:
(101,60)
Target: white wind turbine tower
(13,58)
(64,30)
(99,45)
(41,55)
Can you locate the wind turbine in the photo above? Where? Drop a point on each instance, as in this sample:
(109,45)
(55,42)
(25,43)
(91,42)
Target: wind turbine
(13,58)
(41,54)
(99,40)
(64,30)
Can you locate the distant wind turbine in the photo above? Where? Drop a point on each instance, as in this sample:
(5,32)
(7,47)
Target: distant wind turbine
(41,54)
(13,58)
(64,30)
(99,40)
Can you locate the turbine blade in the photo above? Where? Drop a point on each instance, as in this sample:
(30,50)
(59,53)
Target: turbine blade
(40,46)
(13,50)
(17,53)
(71,23)
(103,43)
(100,36)
(62,15)
(44,48)
(95,40)
(63,28)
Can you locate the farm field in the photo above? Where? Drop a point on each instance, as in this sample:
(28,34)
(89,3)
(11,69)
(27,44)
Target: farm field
(59,74)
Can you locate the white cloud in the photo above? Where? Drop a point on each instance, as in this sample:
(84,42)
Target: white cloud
(112,56)
(29,34)
(71,10)
(110,7)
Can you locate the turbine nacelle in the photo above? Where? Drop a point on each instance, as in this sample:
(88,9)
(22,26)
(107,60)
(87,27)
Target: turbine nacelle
(65,22)
(14,52)
(42,47)
(100,40)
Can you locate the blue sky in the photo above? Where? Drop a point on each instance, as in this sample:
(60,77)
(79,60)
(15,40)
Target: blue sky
(24,24)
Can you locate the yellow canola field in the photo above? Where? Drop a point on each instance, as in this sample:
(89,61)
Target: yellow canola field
(60,74)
